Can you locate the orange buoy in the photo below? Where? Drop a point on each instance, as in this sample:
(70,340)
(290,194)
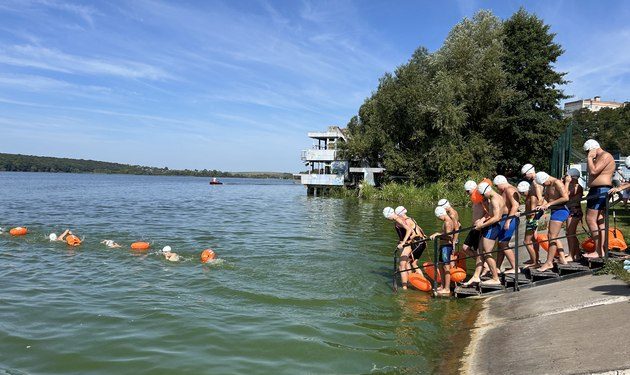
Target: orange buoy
(73,240)
(430,271)
(207,255)
(588,245)
(461,260)
(616,240)
(543,241)
(140,245)
(419,282)
(457,274)
(19,231)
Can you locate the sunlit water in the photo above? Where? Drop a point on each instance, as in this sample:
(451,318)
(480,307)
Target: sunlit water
(303,284)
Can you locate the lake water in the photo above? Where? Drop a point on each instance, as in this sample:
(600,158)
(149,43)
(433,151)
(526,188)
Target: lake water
(303,284)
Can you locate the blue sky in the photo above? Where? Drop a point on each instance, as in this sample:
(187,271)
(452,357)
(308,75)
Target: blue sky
(235,85)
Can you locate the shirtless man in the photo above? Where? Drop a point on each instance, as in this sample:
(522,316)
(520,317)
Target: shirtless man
(490,226)
(625,185)
(446,249)
(471,243)
(510,224)
(601,166)
(454,215)
(571,184)
(555,195)
(169,255)
(531,225)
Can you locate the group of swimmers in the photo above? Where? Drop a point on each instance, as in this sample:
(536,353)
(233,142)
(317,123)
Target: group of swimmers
(72,240)
(495,218)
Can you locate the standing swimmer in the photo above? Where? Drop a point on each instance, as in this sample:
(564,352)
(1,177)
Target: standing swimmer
(531,202)
(446,249)
(555,195)
(512,198)
(401,226)
(575,211)
(417,241)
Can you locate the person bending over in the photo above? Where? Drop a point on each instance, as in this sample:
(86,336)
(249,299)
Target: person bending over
(556,196)
(417,240)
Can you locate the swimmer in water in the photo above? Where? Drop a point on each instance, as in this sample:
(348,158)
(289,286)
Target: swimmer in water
(62,237)
(110,244)
(169,255)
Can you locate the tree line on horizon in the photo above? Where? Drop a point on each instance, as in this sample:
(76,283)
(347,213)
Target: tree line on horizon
(28,163)
(486,102)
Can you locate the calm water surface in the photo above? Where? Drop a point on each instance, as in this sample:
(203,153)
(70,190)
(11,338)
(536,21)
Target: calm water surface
(302,285)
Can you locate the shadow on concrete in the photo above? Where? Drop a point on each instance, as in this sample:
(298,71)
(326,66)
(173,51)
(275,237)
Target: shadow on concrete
(613,290)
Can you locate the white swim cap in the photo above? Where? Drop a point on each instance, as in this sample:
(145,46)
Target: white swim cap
(591,144)
(52,237)
(444,203)
(482,188)
(400,210)
(523,187)
(628,162)
(470,185)
(440,211)
(541,178)
(500,180)
(527,168)
(166,249)
(388,212)
(574,172)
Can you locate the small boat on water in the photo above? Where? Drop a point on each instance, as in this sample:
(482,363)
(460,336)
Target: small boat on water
(215,181)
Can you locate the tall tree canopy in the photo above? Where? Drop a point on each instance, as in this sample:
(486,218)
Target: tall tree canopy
(474,106)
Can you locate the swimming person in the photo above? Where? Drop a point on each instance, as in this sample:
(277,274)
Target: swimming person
(555,195)
(416,241)
(601,166)
(169,254)
(490,225)
(404,232)
(110,244)
(512,199)
(571,184)
(62,237)
(531,202)
(446,249)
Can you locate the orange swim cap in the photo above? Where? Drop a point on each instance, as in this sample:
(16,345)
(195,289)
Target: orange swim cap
(207,255)
(476,197)
(487,180)
(73,240)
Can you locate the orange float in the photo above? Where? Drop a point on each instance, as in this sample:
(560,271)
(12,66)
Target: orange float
(140,246)
(18,231)
(73,240)
(588,245)
(461,259)
(207,255)
(543,241)
(430,271)
(457,274)
(419,282)
(616,240)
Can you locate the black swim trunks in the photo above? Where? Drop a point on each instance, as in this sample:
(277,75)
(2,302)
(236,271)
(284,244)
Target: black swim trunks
(472,239)
(418,248)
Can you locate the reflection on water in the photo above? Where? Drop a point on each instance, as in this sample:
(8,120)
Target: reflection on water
(302,285)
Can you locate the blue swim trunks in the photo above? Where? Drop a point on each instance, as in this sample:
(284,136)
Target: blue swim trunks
(505,235)
(560,214)
(446,251)
(491,232)
(597,196)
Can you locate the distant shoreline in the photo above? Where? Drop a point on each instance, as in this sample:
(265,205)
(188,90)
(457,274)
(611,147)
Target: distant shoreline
(31,163)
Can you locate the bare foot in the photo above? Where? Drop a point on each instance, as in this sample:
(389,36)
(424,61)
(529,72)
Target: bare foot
(470,282)
(444,292)
(533,265)
(509,271)
(591,255)
(545,267)
(491,282)
(568,258)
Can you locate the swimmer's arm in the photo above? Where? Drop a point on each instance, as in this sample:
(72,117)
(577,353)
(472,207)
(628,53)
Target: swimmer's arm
(596,168)
(448,227)
(496,216)
(539,196)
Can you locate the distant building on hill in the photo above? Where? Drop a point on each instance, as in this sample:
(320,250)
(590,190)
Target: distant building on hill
(593,105)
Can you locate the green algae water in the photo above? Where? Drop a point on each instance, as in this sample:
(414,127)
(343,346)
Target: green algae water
(302,284)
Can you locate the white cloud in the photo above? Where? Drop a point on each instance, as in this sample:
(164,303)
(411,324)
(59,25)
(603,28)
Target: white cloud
(34,56)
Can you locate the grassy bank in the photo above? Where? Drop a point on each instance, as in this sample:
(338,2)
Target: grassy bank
(409,194)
